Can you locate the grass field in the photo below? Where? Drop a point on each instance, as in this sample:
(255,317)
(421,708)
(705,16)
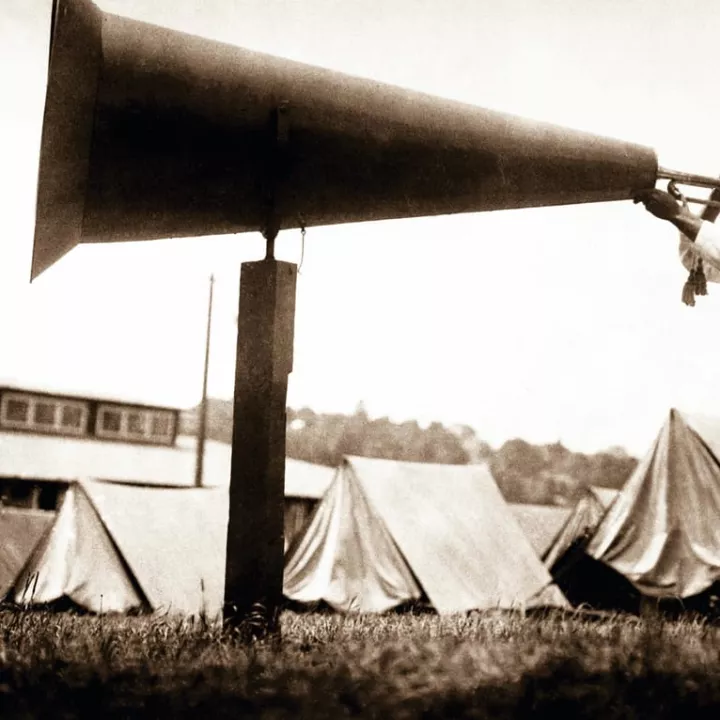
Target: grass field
(330,666)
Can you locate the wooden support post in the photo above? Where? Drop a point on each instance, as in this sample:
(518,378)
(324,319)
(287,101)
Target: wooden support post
(255,544)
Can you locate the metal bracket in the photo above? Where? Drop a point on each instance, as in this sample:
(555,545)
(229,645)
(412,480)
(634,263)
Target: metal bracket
(277,165)
(681,197)
(688,178)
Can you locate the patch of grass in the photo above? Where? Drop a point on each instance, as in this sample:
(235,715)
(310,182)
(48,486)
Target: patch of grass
(332,666)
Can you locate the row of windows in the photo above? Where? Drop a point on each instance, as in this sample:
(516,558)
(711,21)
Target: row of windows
(70,417)
(135,424)
(24,412)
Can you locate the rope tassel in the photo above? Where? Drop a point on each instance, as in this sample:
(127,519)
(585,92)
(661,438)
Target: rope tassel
(688,291)
(700,280)
(695,285)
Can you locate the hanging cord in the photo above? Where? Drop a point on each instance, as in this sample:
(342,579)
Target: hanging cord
(696,283)
(700,279)
(302,247)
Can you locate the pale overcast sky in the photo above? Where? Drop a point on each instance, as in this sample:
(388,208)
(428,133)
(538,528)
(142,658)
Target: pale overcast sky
(550,324)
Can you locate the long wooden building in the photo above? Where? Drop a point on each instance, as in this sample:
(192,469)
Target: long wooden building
(51,441)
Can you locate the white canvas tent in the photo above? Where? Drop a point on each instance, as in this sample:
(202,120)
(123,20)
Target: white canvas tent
(582,522)
(386,532)
(540,523)
(605,495)
(305,484)
(115,547)
(663,531)
(20,532)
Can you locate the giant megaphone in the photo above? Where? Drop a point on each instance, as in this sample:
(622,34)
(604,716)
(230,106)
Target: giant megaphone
(150,133)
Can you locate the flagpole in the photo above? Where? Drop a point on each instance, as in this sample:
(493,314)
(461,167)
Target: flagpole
(202,420)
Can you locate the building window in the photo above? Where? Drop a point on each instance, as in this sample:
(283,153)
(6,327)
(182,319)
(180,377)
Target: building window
(25,412)
(29,495)
(136,423)
(16,410)
(44,413)
(109,422)
(72,417)
(18,494)
(117,423)
(161,427)
(49,497)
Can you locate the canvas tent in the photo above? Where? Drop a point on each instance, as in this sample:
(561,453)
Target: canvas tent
(540,523)
(115,547)
(20,532)
(582,522)
(305,484)
(387,532)
(663,531)
(605,495)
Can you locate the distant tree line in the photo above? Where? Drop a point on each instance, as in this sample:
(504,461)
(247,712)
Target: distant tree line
(325,439)
(542,474)
(552,474)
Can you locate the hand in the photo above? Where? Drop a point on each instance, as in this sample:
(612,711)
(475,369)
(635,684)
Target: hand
(660,204)
(664,206)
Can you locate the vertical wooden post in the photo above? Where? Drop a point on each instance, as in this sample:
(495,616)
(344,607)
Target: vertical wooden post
(202,419)
(255,544)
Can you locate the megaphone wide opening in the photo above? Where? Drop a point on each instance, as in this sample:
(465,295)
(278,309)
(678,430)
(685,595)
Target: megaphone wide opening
(74,65)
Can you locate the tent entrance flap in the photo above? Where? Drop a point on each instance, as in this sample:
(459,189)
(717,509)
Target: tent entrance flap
(20,533)
(79,560)
(347,557)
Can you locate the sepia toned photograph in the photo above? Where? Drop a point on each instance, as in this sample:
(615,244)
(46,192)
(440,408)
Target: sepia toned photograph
(358,359)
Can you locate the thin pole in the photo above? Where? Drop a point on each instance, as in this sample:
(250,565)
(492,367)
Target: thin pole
(202,420)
